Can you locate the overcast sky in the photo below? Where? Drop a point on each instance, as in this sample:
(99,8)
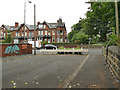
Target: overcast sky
(46,10)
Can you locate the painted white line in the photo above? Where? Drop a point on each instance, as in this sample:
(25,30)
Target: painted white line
(71,77)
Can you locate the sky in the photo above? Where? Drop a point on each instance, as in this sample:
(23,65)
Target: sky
(46,10)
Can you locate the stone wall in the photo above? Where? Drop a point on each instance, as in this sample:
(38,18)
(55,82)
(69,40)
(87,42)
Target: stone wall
(112,59)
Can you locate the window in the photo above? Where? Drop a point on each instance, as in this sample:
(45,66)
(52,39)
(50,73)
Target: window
(45,39)
(53,32)
(44,26)
(4,29)
(49,40)
(53,39)
(30,33)
(4,34)
(25,33)
(22,34)
(58,32)
(17,34)
(22,28)
(58,39)
(29,39)
(46,32)
(40,32)
(40,26)
(25,28)
(61,32)
(61,39)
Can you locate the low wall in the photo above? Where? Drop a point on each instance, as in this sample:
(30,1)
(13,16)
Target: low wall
(83,46)
(15,49)
(113,60)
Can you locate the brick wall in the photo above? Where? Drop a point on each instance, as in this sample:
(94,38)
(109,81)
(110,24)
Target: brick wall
(15,49)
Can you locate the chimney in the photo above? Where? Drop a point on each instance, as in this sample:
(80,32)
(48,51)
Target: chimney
(59,21)
(38,23)
(16,24)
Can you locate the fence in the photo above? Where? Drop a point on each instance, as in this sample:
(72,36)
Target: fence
(113,61)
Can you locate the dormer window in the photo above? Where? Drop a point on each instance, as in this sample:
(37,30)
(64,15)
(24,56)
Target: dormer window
(40,26)
(25,28)
(4,29)
(44,26)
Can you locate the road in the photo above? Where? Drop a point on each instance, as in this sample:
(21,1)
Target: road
(57,71)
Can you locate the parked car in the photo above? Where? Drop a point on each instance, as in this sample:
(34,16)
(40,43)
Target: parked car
(50,46)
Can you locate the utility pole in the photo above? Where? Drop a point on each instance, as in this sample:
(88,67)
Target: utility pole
(117,25)
(34,29)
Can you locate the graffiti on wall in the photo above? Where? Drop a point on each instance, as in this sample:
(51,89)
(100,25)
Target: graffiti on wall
(12,49)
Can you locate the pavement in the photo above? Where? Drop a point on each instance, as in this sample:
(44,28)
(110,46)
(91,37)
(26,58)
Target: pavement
(94,73)
(57,71)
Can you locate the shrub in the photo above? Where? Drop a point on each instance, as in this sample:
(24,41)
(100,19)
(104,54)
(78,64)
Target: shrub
(61,47)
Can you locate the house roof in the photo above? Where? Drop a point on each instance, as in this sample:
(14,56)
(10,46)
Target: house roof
(55,25)
(11,28)
(31,27)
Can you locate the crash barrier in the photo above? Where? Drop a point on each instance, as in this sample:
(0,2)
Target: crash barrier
(15,49)
(112,60)
(63,51)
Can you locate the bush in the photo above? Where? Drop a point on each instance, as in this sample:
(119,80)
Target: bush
(78,47)
(8,39)
(60,44)
(61,47)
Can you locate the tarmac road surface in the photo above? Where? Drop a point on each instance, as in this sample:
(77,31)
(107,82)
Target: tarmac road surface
(57,71)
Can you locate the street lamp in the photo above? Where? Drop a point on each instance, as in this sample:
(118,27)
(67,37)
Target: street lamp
(34,24)
(25,16)
(34,27)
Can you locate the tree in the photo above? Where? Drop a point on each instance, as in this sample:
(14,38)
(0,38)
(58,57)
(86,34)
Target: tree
(75,29)
(80,38)
(8,38)
(100,19)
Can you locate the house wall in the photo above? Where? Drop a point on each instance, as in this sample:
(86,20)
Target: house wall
(47,28)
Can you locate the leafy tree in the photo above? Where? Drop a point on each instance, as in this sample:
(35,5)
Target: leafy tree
(80,38)
(8,38)
(112,39)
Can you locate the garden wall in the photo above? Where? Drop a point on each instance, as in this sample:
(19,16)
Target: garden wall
(15,49)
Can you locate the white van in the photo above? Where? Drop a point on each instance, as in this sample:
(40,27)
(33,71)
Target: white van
(38,44)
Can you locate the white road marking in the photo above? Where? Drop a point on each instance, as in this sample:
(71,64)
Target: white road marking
(71,77)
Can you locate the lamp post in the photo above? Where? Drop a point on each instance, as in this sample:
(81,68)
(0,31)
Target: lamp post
(34,29)
(24,18)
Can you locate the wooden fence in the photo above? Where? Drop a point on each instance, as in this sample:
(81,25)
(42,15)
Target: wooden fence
(113,61)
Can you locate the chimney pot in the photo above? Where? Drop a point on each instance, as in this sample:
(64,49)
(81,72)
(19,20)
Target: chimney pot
(16,24)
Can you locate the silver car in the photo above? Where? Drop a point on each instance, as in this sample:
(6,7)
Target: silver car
(50,46)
